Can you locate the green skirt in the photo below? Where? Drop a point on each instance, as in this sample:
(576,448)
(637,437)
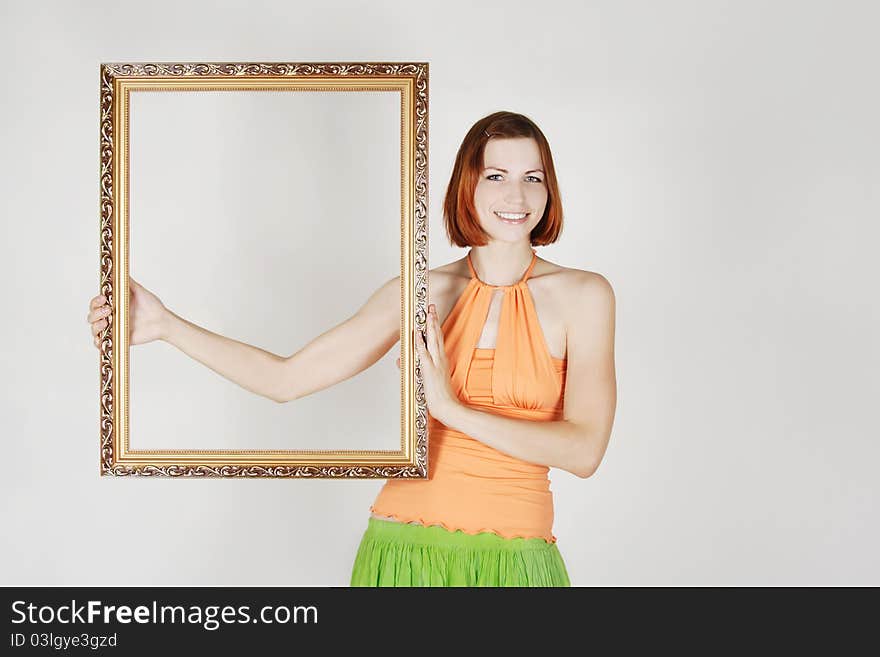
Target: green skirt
(401,554)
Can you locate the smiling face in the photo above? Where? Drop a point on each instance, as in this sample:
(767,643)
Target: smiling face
(511,192)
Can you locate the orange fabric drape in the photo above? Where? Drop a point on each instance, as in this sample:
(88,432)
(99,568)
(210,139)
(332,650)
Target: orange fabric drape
(471,486)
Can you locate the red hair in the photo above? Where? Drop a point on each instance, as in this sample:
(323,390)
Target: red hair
(462,223)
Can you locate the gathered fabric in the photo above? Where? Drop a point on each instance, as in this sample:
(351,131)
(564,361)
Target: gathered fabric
(472,487)
(403,555)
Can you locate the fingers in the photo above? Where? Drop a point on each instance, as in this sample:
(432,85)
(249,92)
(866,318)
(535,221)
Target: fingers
(99,326)
(96,330)
(429,331)
(434,334)
(98,317)
(98,313)
(419,341)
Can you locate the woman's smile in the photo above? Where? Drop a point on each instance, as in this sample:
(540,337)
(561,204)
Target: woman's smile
(512,217)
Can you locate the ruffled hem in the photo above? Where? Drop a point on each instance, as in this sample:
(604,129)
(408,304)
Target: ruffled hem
(486,530)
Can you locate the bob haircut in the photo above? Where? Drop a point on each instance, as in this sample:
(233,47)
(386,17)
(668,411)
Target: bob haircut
(460,215)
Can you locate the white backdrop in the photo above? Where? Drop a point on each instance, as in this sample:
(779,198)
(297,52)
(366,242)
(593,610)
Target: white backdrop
(718,164)
(269,217)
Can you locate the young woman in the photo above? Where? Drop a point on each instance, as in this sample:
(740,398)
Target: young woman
(519,376)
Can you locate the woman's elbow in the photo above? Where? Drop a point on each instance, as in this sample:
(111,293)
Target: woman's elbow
(285,375)
(587,468)
(584,473)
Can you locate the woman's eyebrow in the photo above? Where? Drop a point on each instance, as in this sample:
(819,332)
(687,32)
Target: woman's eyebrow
(506,171)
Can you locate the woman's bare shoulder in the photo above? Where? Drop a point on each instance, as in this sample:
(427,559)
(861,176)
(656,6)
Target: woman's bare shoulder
(565,283)
(449,275)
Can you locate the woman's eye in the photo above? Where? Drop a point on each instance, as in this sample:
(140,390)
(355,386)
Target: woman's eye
(492,176)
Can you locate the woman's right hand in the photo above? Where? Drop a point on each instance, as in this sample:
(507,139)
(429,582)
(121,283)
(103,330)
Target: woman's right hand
(146,314)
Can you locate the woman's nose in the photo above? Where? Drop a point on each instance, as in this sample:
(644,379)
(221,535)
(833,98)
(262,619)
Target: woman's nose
(514,193)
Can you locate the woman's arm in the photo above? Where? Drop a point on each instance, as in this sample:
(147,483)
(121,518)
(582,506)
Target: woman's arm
(250,367)
(346,349)
(336,355)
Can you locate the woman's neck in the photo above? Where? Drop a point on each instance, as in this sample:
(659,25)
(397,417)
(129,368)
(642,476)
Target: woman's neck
(501,263)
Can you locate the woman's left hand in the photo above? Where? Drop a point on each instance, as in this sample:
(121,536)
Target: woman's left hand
(435,372)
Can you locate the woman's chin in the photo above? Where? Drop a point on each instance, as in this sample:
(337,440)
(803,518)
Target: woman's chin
(509,236)
(506,228)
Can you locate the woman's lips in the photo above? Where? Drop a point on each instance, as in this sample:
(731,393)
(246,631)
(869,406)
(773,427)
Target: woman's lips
(512,221)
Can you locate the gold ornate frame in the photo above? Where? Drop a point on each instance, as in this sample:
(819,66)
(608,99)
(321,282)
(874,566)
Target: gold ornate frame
(117,82)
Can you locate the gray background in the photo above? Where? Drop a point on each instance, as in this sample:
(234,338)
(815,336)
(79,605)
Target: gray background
(719,165)
(269,217)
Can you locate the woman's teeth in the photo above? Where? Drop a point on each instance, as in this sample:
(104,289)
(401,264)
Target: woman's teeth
(513,217)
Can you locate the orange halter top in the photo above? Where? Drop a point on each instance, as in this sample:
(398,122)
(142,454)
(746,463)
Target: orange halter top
(471,486)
